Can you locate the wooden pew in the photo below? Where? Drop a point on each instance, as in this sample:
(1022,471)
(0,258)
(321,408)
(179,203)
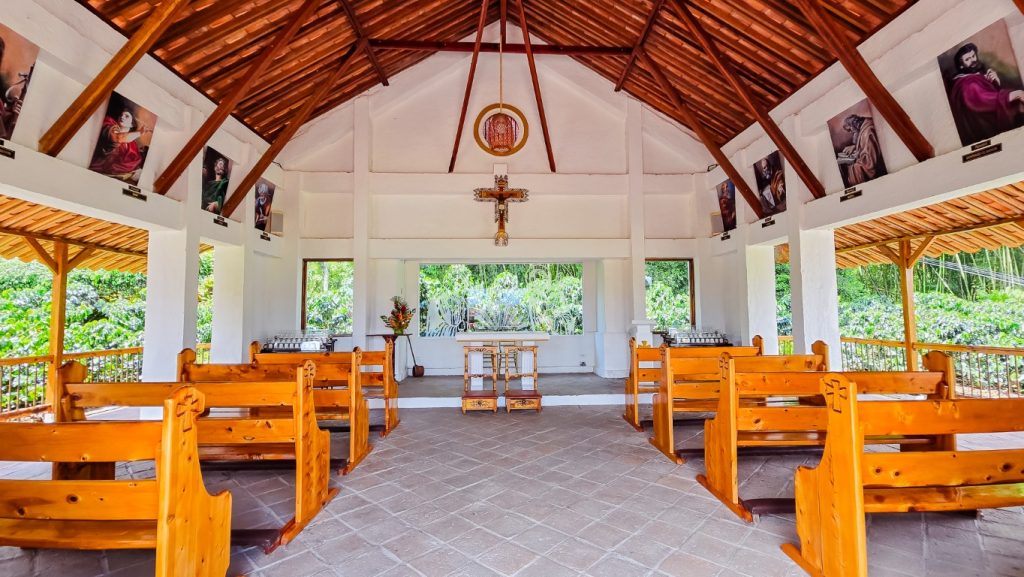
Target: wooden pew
(173,514)
(337,393)
(292,435)
(647,379)
(833,498)
(379,380)
(687,383)
(743,419)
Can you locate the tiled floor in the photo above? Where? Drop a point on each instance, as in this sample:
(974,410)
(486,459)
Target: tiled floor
(571,491)
(548,383)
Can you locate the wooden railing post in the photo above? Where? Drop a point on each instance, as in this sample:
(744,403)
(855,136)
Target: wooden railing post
(58,310)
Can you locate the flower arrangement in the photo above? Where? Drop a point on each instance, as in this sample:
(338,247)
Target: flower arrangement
(400,316)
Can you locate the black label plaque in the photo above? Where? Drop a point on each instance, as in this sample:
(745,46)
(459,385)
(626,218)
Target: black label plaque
(4,151)
(850,193)
(768,221)
(726,235)
(134,192)
(220,220)
(983,152)
(980,145)
(265,236)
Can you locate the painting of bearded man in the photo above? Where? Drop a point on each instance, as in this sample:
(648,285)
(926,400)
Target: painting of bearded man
(855,143)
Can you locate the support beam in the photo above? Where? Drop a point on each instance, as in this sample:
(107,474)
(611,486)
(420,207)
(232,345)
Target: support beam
(493,47)
(58,315)
(639,45)
(536,84)
(65,128)
(743,92)
(919,251)
(862,74)
(363,41)
(163,183)
(79,258)
(909,310)
(67,240)
(702,133)
(1017,220)
(503,17)
(323,86)
(41,253)
(1020,5)
(469,83)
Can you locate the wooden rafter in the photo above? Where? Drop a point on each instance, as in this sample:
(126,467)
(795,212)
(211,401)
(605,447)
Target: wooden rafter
(469,83)
(163,183)
(493,47)
(536,84)
(638,46)
(80,257)
(325,83)
(503,18)
(65,128)
(1016,219)
(1020,5)
(862,74)
(41,253)
(702,133)
(36,236)
(364,43)
(730,74)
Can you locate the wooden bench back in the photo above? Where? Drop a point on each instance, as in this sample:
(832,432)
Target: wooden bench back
(376,368)
(336,371)
(193,529)
(833,498)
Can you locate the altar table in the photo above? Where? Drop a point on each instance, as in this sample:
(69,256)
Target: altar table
(476,360)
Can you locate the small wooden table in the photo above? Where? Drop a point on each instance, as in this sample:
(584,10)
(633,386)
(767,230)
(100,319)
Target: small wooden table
(476,360)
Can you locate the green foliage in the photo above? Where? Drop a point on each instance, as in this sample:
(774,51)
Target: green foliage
(539,297)
(329,296)
(668,293)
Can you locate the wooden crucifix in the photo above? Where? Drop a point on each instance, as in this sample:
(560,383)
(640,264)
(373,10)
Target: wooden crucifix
(501,195)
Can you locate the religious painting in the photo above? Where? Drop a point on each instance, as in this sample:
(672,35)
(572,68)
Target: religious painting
(264,200)
(124,139)
(216,174)
(501,129)
(17,61)
(771,183)
(726,193)
(855,143)
(983,84)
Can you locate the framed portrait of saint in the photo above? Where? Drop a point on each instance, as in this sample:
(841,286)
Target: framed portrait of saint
(264,200)
(726,193)
(216,175)
(855,143)
(123,143)
(17,63)
(983,84)
(771,183)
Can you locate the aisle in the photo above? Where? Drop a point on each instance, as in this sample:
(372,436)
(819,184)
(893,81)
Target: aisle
(571,491)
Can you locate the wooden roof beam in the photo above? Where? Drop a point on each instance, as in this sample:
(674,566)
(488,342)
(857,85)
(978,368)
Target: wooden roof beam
(702,133)
(61,238)
(743,92)
(323,86)
(1017,220)
(469,82)
(503,18)
(490,47)
(364,43)
(536,84)
(862,74)
(65,128)
(1020,5)
(170,175)
(638,46)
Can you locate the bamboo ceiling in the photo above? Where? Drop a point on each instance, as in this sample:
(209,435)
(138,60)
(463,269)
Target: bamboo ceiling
(773,47)
(985,220)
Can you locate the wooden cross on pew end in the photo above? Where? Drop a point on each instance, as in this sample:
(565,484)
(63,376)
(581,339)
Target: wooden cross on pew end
(501,195)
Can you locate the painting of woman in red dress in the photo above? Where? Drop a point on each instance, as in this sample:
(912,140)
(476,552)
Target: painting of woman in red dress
(124,140)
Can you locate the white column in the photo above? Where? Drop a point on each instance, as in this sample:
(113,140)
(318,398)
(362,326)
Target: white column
(361,220)
(232,285)
(635,154)
(812,278)
(613,318)
(760,319)
(172,286)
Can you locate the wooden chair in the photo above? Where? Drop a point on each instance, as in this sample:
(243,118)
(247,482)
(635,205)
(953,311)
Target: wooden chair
(485,399)
(833,498)
(521,398)
(375,382)
(173,514)
(291,436)
(687,383)
(745,419)
(337,388)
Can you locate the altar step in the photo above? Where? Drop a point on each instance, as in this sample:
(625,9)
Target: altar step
(593,399)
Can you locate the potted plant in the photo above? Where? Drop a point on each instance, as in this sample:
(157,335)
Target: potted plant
(398,321)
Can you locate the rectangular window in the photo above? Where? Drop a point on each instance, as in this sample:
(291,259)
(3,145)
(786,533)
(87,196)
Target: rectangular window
(327,295)
(457,298)
(670,301)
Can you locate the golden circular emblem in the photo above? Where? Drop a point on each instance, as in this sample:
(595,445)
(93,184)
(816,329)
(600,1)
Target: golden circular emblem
(501,129)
